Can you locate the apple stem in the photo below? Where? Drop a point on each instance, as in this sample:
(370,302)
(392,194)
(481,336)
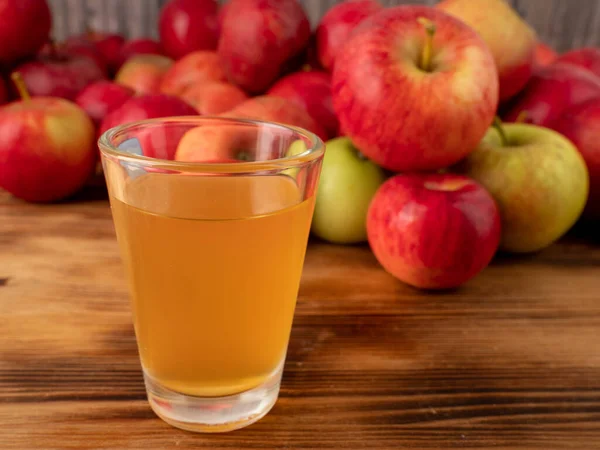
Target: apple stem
(19,82)
(522,117)
(427,53)
(500,129)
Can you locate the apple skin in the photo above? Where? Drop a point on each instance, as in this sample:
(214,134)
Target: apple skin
(347,184)
(102,97)
(142,46)
(588,58)
(312,91)
(256,54)
(540,182)
(107,45)
(551,91)
(61,74)
(195,68)
(337,24)
(216,143)
(24,29)
(155,142)
(213,98)
(511,40)
(144,73)
(581,125)
(401,117)
(433,231)
(544,55)
(86,49)
(188,25)
(47,149)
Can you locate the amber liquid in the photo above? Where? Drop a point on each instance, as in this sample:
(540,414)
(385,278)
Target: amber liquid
(214,266)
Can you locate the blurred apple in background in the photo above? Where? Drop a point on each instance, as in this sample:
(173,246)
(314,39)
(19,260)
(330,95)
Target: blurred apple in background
(273,33)
(47,147)
(312,91)
(156,142)
(102,97)
(277,109)
(538,178)
(195,68)
(415,89)
(144,73)
(511,40)
(337,24)
(544,55)
(24,29)
(551,91)
(107,45)
(581,124)
(60,74)
(347,184)
(433,231)
(212,98)
(141,46)
(588,58)
(188,25)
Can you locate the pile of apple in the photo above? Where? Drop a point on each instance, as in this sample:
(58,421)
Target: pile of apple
(408,98)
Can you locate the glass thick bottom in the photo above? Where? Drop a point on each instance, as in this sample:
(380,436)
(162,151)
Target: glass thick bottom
(213,414)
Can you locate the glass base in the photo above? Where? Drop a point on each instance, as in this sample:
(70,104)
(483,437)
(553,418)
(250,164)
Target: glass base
(213,414)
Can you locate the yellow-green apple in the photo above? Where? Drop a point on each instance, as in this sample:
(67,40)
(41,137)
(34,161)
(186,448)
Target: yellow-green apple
(277,109)
(273,33)
(581,124)
(213,98)
(102,97)
(311,90)
(195,68)
(511,40)
(544,55)
(188,25)
(415,88)
(155,142)
(337,24)
(347,184)
(588,58)
(433,231)
(47,147)
(25,29)
(551,91)
(142,46)
(538,178)
(144,73)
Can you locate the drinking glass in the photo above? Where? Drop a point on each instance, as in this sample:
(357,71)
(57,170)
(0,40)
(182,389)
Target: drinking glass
(212,217)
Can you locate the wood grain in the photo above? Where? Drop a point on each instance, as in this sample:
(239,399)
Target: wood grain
(510,361)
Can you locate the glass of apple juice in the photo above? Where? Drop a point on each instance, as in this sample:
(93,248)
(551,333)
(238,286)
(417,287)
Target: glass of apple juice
(212,217)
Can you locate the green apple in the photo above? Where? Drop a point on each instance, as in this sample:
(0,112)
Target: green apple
(537,177)
(347,184)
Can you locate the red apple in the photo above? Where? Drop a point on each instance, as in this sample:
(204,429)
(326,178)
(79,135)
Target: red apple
(4,94)
(88,49)
(196,68)
(188,25)
(24,28)
(102,97)
(47,148)
(433,231)
(337,24)
(312,91)
(510,39)
(412,97)
(135,47)
(551,91)
(588,58)
(277,109)
(155,142)
(144,73)
(60,74)
(107,45)
(213,98)
(544,55)
(273,33)
(581,124)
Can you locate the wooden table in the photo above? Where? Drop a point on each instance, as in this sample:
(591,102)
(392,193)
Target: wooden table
(510,361)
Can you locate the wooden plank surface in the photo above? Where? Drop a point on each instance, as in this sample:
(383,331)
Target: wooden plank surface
(510,361)
(565,24)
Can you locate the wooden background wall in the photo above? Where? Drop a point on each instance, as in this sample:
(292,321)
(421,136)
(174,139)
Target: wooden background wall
(565,24)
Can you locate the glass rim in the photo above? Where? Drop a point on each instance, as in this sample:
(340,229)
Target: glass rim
(312,152)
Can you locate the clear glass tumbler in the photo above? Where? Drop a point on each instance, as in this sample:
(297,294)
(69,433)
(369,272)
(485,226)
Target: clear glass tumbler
(212,218)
